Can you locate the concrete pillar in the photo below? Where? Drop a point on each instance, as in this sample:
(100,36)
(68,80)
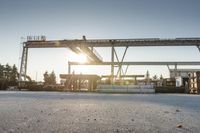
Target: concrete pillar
(112,65)
(69,68)
(175,70)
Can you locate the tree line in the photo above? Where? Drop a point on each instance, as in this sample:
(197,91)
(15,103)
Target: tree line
(8,76)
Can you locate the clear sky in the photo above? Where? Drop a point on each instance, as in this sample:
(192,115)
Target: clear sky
(96,19)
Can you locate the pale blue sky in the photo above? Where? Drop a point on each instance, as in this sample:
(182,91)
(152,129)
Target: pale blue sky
(70,19)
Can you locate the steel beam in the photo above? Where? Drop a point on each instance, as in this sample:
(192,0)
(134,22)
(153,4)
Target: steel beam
(120,63)
(175,70)
(23,66)
(124,76)
(185,70)
(198,47)
(112,64)
(69,68)
(139,63)
(114,42)
(75,50)
(91,54)
(126,69)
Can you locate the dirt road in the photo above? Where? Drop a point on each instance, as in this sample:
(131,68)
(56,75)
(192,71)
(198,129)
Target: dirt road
(93,112)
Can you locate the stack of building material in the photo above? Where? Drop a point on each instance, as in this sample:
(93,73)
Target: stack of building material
(126,89)
(194,82)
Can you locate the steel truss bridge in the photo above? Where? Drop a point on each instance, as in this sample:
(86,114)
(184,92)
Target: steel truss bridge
(88,47)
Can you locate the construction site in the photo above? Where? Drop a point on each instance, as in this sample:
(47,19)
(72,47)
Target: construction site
(68,109)
(118,80)
(99,66)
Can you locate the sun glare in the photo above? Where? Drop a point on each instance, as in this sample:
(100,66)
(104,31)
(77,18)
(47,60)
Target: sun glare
(82,58)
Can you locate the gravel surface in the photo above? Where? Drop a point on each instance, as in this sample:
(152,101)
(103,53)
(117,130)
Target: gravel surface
(92,112)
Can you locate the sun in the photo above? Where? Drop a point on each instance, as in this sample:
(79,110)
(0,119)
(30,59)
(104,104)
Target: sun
(81,58)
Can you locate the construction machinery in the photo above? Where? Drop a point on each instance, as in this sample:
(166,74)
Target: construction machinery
(88,46)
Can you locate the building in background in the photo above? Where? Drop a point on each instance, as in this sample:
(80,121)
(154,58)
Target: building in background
(181,72)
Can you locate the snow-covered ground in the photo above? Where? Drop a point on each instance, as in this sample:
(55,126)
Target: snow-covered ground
(93,112)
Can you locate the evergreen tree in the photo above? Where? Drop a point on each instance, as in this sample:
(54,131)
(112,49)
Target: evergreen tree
(155,77)
(13,75)
(8,71)
(1,71)
(52,78)
(147,75)
(161,77)
(49,79)
(46,78)
(8,76)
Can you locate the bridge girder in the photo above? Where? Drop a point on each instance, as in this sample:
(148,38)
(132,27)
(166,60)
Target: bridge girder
(192,63)
(114,42)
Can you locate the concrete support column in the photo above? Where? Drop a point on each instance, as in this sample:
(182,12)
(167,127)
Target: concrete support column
(112,65)
(135,80)
(69,68)
(175,70)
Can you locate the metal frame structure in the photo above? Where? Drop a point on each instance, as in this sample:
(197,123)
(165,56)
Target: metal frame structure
(87,46)
(119,64)
(23,67)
